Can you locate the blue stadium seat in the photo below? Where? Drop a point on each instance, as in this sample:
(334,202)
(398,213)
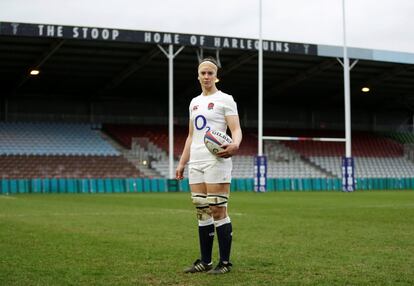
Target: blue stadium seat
(52,139)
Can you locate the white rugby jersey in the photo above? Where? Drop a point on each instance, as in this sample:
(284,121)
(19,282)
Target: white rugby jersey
(208,112)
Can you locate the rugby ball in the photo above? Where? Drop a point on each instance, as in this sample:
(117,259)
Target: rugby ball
(214,139)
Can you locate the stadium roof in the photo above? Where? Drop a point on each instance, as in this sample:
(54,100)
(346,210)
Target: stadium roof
(110,64)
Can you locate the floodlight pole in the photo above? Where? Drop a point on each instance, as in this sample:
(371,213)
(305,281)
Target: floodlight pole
(171,55)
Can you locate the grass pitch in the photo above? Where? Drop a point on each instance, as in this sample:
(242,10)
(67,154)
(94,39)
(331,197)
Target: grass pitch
(287,238)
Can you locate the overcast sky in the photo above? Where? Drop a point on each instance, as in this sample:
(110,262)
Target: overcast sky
(374,24)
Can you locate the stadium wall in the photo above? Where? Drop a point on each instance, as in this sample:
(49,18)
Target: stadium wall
(142,185)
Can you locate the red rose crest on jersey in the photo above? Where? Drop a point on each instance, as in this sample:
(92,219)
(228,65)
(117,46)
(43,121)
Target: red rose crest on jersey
(210,106)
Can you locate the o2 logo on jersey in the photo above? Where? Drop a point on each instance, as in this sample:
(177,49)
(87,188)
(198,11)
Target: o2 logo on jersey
(200,123)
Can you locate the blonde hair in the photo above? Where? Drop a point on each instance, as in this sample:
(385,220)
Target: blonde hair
(210,61)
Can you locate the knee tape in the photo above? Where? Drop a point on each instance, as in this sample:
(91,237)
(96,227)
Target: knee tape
(204,214)
(199,200)
(201,204)
(218,200)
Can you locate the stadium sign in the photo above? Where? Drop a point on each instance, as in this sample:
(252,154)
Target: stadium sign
(150,37)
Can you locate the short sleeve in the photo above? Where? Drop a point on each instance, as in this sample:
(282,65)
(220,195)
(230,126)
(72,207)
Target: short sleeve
(230,106)
(189,108)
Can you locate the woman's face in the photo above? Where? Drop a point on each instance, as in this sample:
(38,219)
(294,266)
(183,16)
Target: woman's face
(207,74)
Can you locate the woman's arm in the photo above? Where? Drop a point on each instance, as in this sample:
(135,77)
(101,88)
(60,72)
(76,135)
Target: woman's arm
(234,125)
(185,156)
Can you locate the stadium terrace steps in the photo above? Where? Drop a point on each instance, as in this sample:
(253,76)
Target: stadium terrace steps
(136,156)
(328,173)
(141,160)
(283,161)
(158,135)
(162,167)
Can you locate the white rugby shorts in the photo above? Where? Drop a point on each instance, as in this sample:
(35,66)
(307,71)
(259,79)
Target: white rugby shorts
(212,172)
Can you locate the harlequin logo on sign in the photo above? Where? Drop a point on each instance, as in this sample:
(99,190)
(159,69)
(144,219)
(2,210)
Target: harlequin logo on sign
(210,106)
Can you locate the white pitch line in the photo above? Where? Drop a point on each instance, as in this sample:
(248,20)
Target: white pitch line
(7,197)
(105,213)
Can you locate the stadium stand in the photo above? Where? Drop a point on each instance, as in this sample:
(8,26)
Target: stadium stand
(375,156)
(52,139)
(55,150)
(154,141)
(32,166)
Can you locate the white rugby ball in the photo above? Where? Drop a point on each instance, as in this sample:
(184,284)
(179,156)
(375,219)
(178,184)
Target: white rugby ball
(214,139)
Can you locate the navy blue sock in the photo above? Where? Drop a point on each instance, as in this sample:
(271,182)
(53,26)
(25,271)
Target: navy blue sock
(224,235)
(206,239)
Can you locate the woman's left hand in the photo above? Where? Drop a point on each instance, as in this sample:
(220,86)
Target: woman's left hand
(229,150)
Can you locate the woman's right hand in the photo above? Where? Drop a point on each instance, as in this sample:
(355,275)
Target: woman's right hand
(179,172)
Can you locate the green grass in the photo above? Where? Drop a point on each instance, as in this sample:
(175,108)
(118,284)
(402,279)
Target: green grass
(287,238)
